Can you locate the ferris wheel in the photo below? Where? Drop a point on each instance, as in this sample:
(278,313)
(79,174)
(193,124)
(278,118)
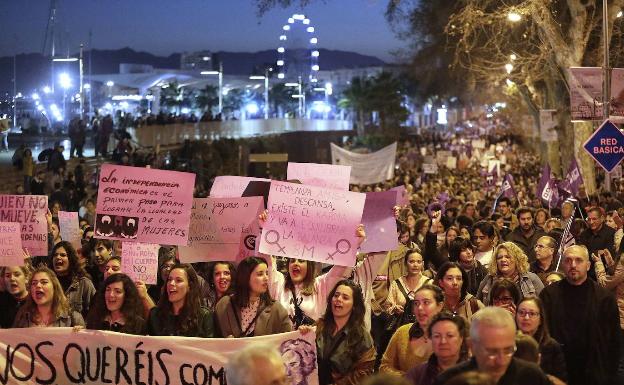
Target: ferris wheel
(297,52)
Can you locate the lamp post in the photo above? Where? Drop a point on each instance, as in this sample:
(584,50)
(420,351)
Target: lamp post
(220,74)
(79,59)
(266,89)
(65,82)
(300,96)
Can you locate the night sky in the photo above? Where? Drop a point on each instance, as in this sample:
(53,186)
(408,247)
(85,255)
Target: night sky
(163,27)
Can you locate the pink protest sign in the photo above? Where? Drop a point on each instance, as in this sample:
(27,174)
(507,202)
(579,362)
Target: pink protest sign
(312,223)
(229,186)
(140,261)
(321,175)
(69,226)
(222,229)
(11,253)
(30,211)
(144,205)
(402,197)
(379,222)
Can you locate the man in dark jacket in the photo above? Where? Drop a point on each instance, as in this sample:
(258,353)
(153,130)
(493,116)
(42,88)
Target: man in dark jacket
(526,234)
(583,317)
(493,343)
(598,237)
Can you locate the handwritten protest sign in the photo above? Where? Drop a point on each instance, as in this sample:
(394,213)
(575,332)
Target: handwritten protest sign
(312,223)
(379,222)
(402,196)
(229,186)
(69,226)
(144,205)
(430,168)
(30,211)
(321,175)
(63,356)
(140,261)
(11,253)
(222,229)
(451,162)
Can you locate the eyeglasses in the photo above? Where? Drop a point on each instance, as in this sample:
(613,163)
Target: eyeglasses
(492,354)
(530,314)
(503,300)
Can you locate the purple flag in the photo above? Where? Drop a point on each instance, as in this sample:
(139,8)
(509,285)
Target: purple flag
(573,179)
(507,188)
(547,188)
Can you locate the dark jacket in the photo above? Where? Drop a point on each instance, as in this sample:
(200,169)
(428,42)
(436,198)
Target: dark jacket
(425,373)
(475,276)
(519,372)
(553,360)
(165,324)
(80,294)
(526,244)
(603,239)
(273,319)
(584,319)
(9,307)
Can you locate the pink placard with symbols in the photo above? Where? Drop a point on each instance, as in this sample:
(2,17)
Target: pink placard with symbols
(312,223)
(140,261)
(144,205)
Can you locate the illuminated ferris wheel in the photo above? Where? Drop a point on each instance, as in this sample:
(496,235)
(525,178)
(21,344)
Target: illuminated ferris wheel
(297,52)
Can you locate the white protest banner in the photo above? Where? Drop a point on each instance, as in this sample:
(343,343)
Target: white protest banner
(430,168)
(379,222)
(222,229)
(30,211)
(312,223)
(321,175)
(616,114)
(69,226)
(229,186)
(11,253)
(548,122)
(367,168)
(140,261)
(63,356)
(144,205)
(586,93)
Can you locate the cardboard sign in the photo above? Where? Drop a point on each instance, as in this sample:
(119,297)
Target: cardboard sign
(140,261)
(312,223)
(144,205)
(30,211)
(11,253)
(321,175)
(379,222)
(451,163)
(222,229)
(430,168)
(229,186)
(69,226)
(402,197)
(586,93)
(63,356)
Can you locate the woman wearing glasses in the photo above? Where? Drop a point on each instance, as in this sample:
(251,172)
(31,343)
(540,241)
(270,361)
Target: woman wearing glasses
(531,320)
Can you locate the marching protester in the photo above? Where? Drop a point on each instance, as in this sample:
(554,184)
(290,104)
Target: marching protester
(485,239)
(454,282)
(250,311)
(462,252)
(220,275)
(118,307)
(15,279)
(505,294)
(179,311)
(76,285)
(526,234)
(47,305)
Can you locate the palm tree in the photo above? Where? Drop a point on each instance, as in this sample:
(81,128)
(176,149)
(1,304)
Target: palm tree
(172,96)
(207,98)
(357,98)
(282,99)
(386,98)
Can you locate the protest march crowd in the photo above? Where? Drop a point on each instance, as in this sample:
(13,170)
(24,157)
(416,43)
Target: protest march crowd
(498,276)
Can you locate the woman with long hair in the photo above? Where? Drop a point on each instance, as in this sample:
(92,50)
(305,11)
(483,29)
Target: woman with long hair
(454,282)
(219,278)
(511,263)
(410,346)
(448,334)
(179,311)
(118,307)
(531,320)
(402,289)
(47,305)
(74,280)
(15,281)
(345,349)
(505,294)
(250,311)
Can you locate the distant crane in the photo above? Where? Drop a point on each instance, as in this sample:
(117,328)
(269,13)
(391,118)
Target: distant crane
(49,37)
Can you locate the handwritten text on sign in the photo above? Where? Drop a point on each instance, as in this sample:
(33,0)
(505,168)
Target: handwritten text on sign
(70,231)
(63,356)
(321,175)
(144,205)
(11,244)
(312,223)
(30,211)
(140,261)
(222,229)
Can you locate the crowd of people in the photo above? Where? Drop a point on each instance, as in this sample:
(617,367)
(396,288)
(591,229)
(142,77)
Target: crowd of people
(480,288)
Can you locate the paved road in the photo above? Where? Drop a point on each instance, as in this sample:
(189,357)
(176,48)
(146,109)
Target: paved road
(38,144)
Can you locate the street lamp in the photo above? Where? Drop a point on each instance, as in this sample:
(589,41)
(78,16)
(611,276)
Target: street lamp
(220,73)
(300,96)
(65,83)
(266,89)
(81,72)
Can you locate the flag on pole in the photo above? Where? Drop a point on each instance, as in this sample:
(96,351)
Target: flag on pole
(567,239)
(507,188)
(573,179)
(547,188)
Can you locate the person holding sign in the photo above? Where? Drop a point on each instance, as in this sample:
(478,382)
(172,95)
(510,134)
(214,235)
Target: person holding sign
(47,305)
(118,307)
(15,279)
(179,311)
(78,288)
(251,311)
(345,349)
